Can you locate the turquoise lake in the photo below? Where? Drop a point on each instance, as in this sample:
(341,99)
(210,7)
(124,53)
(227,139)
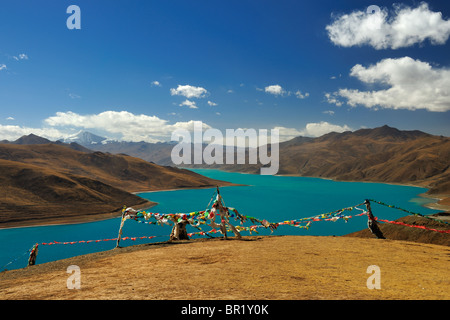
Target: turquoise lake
(274,198)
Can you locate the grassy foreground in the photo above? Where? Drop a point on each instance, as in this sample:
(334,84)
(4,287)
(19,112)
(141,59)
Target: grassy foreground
(256,268)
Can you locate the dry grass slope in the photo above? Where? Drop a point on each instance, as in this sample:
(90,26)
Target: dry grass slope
(256,268)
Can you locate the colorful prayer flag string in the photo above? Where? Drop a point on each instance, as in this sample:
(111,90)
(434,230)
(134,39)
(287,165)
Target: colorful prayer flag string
(407,211)
(96,241)
(413,226)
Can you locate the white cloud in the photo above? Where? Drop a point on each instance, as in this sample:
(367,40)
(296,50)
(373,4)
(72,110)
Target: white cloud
(212,104)
(12,132)
(189,91)
(188,103)
(286,134)
(407,27)
(278,90)
(121,125)
(2,66)
(74,96)
(126,126)
(21,56)
(320,128)
(313,129)
(300,95)
(410,84)
(329,112)
(332,98)
(156,84)
(10,118)
(274,89)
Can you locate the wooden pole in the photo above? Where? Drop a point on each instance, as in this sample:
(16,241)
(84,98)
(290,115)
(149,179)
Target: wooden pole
(179,231)
(33,255)
(119,236)
(224,218)
(372,223)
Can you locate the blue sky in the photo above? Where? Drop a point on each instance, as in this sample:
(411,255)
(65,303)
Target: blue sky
(137,70)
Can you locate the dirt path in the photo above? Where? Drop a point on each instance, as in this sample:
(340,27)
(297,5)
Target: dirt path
(255,268)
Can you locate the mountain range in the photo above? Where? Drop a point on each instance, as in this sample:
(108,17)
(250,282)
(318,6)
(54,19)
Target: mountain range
(44,182)
(37,172)
(382,154)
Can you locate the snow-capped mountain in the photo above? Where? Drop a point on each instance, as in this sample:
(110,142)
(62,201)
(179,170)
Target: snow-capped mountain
(85,139)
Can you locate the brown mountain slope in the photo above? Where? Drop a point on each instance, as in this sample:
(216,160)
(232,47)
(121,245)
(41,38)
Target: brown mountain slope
(36,195)
(48,183)
(120,171)
(159,153)
(378,155)
(382,154)
(31,139)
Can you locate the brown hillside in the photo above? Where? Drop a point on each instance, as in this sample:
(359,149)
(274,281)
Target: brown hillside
(159,153)
(370,155)
(51,183)
(35,195)
(120,171)
(374,155)
(382,154)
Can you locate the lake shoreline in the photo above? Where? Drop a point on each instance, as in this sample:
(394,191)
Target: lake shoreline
(435,205)
(149,204)
(72,220)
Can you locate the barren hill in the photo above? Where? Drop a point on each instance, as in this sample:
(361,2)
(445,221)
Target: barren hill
(44,182)
(382,154)
(36,195)
(120,171)
(158,153)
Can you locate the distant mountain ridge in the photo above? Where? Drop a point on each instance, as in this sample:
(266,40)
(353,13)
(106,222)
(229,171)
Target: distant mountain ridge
(383,154)
(46,182)
(33,139)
